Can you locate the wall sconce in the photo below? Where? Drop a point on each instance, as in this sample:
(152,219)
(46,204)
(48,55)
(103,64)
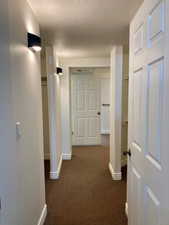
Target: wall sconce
(59,71)
(34,42)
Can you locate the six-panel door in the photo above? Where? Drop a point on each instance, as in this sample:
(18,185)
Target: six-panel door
(148,184)
(85,110)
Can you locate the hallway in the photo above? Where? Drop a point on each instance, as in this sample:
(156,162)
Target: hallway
(85,193)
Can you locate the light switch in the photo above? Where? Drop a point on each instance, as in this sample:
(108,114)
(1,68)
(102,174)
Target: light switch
(18,129)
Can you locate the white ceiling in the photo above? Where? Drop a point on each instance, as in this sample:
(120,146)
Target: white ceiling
(85,27)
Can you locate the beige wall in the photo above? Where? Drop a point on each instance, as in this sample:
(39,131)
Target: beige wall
(22,189)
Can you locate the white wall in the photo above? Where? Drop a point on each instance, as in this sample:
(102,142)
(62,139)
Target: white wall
(116,111)
(54,106)
(66,64)
(21,159)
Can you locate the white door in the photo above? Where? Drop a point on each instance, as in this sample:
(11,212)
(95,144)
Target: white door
(148,171)
(85,110)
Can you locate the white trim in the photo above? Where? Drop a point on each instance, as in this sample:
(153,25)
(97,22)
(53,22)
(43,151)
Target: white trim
(42,218)
(66,156)
(115,175)
(126,209)
(67,64)
(55,174)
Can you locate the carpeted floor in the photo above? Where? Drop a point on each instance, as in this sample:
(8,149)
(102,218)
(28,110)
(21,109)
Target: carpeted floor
(85,194)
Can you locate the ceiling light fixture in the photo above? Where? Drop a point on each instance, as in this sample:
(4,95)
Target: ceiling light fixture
(34,42)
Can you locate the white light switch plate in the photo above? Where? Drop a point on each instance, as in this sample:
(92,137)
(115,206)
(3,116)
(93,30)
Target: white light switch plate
(18,129)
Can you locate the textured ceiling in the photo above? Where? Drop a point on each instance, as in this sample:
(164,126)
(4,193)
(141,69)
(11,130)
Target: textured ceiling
(84,27)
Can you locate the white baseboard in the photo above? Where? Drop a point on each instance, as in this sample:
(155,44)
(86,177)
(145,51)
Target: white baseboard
(126,209)
(55,175)
(115,175)
(66,156)
(42,218)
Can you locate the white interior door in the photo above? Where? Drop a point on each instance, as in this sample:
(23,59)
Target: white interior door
(148,171)
(85,110)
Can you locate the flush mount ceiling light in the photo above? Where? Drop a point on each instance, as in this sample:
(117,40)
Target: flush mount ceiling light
(59,71)
(34,42)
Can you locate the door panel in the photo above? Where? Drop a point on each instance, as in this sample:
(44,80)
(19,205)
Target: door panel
(93,126)
(80,101)
(155,98)
(137,105)
(92,100)
(156,21)
(136,200)
(80,129)
(138,39)
(85,107)
(148,167)
(152,206)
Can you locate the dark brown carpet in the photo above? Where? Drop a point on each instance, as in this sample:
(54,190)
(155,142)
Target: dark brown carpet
(85,194)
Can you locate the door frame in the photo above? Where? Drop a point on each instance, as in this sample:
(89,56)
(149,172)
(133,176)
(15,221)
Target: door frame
(67,64)
(70,67)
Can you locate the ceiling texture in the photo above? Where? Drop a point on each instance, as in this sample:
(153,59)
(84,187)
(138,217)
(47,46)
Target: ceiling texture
(84,28)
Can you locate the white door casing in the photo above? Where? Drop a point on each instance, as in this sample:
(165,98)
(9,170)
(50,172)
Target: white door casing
(85,95)
(148,166)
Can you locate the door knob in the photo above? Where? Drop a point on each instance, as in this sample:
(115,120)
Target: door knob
(127,153)
(98,113)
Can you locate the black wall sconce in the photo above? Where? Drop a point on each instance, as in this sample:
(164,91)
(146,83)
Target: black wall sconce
(59,71)
(34,42)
